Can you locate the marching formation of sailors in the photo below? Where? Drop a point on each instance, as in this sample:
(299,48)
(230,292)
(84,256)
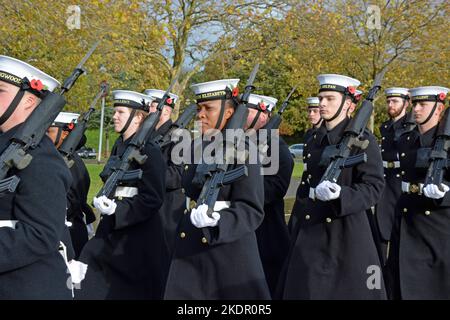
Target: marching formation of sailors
(156,239)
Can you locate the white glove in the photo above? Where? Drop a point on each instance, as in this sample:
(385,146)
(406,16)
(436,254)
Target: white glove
(105,205)
(327,191)
(90,230)
(432,191)
(200,218)
(77,270)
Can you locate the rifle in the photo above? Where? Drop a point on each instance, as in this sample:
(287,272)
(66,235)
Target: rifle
(218,175)
(120,170)
(340,154)
(16,155)
(275,121)
(181,123)
(68,147)
(438,156)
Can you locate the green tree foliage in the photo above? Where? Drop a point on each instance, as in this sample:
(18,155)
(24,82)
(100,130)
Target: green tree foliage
(147,43)
(337,37)
(128,57)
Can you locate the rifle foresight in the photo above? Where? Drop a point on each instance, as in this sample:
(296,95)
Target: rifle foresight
(249,86)
(166,95)
(376,85)
(78,71)
(286,101)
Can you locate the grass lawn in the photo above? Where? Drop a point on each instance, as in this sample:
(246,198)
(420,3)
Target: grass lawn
(96,183)
(289,202)
(298,169)
(92,136)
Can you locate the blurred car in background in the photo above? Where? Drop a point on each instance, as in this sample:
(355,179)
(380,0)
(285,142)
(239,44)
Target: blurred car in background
(297,151)
(87,153)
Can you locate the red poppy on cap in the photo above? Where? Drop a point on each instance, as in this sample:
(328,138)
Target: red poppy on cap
(71,126)
(262,106)
(169,101)
(36,84)
(235,92)
(442,96)
(351,89)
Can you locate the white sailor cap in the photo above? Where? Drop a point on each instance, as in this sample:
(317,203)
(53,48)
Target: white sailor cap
(216,90)
(65,119)
(261,103)
(157,95)
(430,93)
(339,83)
(397,92)
(15,72)
(313,102)
(131,99)
(357,96)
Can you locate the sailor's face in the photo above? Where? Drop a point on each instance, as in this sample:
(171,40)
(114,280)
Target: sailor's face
(52,133)
(329,102)
(313,115)
(422,110)
(208,113)
(120,117)
(153,107)
(394,106)
(261,122)
(351,109)
(7,94)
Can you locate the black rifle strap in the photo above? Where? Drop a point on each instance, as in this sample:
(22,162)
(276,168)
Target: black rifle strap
(125,127)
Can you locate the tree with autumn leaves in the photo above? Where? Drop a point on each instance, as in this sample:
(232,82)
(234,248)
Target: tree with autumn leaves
(324,36)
